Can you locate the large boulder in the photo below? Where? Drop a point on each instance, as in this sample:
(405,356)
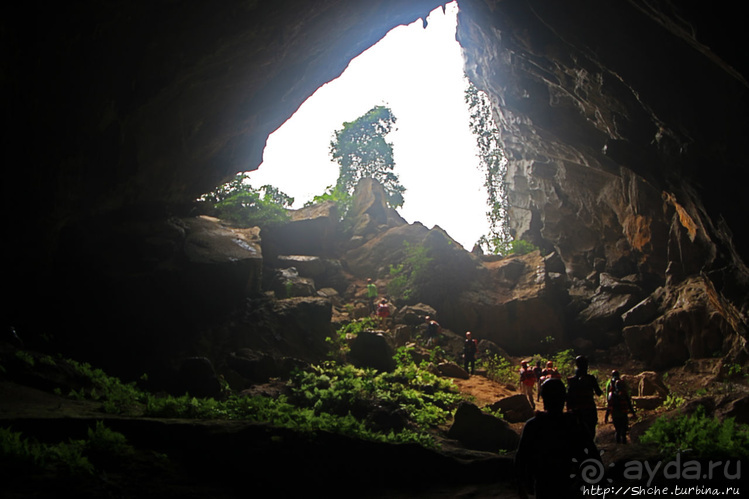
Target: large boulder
(414,315)
(372,349)
(310,231)
(375,256)
(514,409)
(326,272)
(369,213)
(452,370)
(480,431)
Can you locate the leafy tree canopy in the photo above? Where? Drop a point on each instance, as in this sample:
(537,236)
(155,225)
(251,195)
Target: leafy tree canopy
(238,202)
(360,149)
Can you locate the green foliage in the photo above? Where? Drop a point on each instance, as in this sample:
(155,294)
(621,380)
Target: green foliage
(673,402)
(499,368)
(564,361)
(494,166)
(343,389)
(361,151)
(238,202)
(331,397)
(339,195)
(116,397)
(704,435)
(408,276)
(338,341)
(102,447)
(733,370)
(521,247)
(25,357)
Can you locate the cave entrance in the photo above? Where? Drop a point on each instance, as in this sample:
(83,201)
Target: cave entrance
(417,71)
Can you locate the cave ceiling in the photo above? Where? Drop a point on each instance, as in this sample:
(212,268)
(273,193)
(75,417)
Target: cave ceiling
(141,106)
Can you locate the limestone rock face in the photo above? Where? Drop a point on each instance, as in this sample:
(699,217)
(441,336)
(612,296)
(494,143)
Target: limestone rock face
(517,318)
(370,211)
(697,323)
(606,166)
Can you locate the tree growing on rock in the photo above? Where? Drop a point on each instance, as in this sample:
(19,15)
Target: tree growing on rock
(360,149)
(494,166)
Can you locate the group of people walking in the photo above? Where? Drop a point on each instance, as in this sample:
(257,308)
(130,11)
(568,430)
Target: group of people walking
(534,377)
(580,393)
(554,443)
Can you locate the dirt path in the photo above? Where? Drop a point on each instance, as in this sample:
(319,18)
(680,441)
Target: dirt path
(483,390)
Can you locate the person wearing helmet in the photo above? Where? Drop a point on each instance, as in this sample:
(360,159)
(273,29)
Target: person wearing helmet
(551,372)
(553,444)
(527,382)
(581,392)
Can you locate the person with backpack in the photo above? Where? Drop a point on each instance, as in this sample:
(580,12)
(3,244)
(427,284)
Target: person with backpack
(527,382)
(581,392)
(618,406)
(550,372)
(470,347)
(615,376)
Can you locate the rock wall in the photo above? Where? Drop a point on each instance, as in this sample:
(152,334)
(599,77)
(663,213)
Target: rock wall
(620,121)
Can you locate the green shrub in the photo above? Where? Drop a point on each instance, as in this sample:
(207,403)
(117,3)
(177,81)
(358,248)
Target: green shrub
(408,276)
(73,457)
(240,203)
(703,435)
(521,247)
(672,402)
(564,360)
(339,345)
(499,368)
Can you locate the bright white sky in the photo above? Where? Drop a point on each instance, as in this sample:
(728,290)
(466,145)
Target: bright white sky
(418,73)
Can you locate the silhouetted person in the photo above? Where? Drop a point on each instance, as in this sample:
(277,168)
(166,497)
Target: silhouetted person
(552,447)
(470,347)
(581,392)
(538,371)
(618,407)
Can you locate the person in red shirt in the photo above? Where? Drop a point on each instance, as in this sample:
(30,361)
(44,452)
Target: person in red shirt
(527,382)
